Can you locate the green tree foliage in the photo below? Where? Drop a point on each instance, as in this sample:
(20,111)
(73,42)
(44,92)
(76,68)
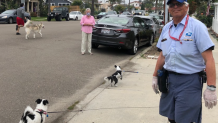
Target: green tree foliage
(143,6)
(119,8)
(149,4)
(192,6)
(77,3)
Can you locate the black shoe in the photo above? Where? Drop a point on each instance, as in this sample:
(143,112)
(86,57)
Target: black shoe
(17,33)
(16,27)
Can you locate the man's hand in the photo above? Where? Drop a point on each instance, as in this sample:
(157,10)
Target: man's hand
(210,98)
(155,85)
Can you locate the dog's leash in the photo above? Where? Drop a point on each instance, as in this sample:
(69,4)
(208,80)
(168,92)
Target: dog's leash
(131,71)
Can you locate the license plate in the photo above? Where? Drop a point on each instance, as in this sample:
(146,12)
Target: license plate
(105,31)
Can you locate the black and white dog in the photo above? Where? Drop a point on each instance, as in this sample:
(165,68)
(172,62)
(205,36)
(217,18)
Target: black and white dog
(35,116)
(114,77)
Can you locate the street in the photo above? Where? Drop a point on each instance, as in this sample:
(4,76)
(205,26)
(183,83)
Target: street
(50,67)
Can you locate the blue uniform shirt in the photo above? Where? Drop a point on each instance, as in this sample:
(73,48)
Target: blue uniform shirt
(184,58)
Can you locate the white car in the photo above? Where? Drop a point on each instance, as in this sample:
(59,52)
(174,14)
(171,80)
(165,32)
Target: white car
(75,15)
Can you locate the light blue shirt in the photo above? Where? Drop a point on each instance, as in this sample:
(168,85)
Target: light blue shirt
(184,58)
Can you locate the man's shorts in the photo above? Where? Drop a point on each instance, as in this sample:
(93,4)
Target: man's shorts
(183,101)
(20,21)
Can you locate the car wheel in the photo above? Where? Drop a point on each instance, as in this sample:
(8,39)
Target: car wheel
(151,40)
(134,48)
(67,18)
(48,18)
(59,18)
(10,21)
(95,46)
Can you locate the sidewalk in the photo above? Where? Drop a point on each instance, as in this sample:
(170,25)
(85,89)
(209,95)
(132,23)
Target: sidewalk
(133,101)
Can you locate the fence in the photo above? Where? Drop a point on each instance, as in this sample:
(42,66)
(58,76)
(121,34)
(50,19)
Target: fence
(71,8)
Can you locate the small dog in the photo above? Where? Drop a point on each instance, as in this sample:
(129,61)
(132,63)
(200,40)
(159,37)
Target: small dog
(114,77)
(35,116)
(35,28)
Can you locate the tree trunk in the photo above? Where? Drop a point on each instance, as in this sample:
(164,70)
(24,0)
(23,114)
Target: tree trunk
(156,6)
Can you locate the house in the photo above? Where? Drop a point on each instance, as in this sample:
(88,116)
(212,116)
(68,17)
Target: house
(136,4)
(59,2)
(105,6)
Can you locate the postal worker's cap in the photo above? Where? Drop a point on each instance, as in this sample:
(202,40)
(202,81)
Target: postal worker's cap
(181,1)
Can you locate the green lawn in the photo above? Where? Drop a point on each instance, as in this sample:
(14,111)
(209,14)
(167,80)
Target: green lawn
(38,18)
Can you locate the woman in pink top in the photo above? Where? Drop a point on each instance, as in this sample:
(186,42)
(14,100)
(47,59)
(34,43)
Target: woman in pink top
(87,22)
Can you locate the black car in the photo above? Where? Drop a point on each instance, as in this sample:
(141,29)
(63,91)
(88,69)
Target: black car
(100,15)
(123,32)
(9,16)
(59,13)
(126,13)
(139,12)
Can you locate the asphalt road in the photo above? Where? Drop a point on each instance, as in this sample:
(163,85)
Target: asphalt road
(50,67)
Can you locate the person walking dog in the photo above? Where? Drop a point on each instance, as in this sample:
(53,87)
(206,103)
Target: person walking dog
(87,22)
(20,18)
(185,52)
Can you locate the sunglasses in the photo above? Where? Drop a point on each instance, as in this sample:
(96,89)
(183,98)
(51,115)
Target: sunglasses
(178,4)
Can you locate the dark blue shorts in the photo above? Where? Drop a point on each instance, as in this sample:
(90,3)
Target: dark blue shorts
(183,101)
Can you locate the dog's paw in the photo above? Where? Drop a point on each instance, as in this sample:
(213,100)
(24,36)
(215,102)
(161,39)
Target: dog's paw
(115,85)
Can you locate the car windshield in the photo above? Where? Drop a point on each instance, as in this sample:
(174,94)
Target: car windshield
(102,13)
(114,20)
(72,12)
(8,12)
(57,9)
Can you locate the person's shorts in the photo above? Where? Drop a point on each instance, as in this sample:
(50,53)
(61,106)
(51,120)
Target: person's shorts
(20,21)
(183,101)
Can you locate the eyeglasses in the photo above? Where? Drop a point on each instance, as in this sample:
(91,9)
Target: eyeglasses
(178,4)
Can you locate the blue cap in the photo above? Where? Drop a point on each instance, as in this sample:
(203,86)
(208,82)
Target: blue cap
(181,1)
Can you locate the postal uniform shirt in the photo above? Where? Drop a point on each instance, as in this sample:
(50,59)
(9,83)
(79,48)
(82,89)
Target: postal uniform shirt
(184,58)
(87,20)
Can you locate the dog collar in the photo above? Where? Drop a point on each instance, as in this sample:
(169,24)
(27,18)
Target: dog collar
(42,111)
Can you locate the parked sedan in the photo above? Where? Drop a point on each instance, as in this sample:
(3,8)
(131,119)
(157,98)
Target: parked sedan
(9,16)
(153,24)
(75,15)
(139,12)
(122,31)
(100,15)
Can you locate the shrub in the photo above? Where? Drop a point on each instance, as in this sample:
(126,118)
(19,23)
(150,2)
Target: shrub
(207,20)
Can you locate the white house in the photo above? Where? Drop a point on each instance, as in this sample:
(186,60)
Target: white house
(136,4)
(215,19)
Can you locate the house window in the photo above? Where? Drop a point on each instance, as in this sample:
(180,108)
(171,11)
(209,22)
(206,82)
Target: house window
(52,4)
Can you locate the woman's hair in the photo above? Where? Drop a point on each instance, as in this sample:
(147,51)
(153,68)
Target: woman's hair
(88,9)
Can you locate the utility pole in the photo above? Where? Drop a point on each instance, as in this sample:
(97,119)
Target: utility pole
(49,3)
(129,6)
(93,8)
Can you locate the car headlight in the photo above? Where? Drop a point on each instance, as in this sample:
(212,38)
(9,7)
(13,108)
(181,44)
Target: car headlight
(140,13)
(5,17)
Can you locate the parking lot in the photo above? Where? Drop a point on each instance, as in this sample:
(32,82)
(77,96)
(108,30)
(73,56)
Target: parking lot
(50,67)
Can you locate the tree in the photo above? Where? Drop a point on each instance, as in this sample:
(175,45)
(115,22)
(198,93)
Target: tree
(119,8)
(77,3)
(143,6)
(192,6)
(148,5)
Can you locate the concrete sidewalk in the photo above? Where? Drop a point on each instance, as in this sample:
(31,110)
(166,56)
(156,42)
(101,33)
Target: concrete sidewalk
(133,101)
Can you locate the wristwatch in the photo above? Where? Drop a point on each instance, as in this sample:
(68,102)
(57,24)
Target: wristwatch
(211,87)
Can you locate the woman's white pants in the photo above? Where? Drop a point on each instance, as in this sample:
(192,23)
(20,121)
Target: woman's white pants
(86,37)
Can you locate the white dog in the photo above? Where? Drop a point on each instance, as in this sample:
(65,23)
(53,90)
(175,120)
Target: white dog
(35,116)
(35,28)
(115,76)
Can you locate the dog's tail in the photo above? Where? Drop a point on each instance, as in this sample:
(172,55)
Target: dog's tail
(27,23)
(28,112)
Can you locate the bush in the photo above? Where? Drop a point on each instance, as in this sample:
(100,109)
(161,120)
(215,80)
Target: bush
(207,20)
(33,14)
(2,9)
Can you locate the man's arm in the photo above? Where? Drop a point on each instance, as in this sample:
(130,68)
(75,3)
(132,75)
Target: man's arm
(210,67)
(159,64)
